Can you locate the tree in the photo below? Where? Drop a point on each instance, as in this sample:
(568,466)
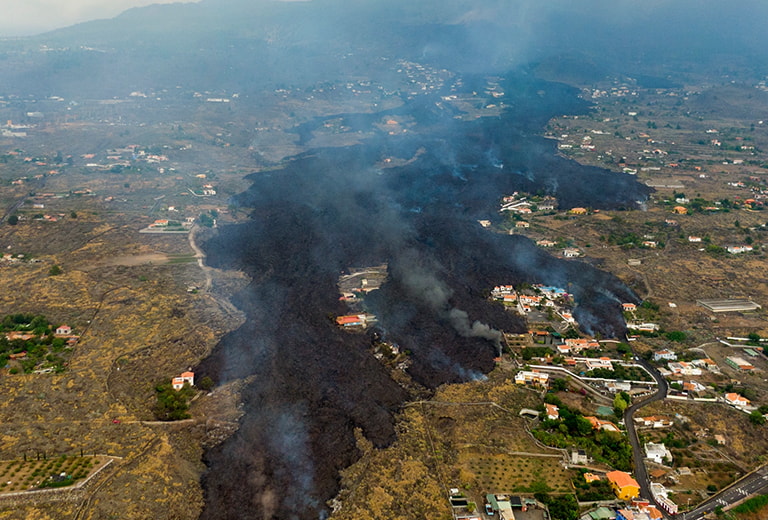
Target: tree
(582,426)
(172,405)
(55,270)
(619,405)
(13,220)
(624,395)
(205,220)
(756,418)
(676,335)
(205,384)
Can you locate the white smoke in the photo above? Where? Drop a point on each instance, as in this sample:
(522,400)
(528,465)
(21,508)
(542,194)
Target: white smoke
(460,321)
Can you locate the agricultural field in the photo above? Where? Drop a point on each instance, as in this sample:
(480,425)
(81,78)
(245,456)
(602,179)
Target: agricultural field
(27,475)
(517,474)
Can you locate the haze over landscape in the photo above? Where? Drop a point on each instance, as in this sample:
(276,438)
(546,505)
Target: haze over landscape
(192,186)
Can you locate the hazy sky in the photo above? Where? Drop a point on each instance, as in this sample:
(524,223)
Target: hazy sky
(26,17)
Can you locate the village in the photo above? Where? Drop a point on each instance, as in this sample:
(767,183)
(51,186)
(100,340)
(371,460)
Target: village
(586,386)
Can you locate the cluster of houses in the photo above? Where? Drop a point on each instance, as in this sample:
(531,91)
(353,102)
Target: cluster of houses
(523,205)
(123,158)
(626,488)
(554,298)
(679,369)
(62,331)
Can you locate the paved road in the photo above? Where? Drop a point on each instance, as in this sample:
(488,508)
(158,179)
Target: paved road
(641,474)
(756,482)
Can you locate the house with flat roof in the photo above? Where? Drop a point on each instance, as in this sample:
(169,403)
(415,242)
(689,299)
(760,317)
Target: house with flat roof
(531,378)
(579,457)
(657,452)
(654,421)
(664,354)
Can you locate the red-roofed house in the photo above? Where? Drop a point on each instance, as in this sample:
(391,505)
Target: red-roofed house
(350,321)
(553,412)
(737,400)
(63,330)
(185,377)
(624,486)
(591,477)
(599,424)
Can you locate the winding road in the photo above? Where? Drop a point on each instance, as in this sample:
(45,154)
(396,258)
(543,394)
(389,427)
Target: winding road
(641,473)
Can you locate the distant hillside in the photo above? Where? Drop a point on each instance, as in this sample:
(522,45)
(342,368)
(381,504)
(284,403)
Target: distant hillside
(247,45)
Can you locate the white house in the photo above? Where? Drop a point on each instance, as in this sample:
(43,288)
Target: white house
(579,457)
(593,363)
(657,452)
(185,377)
(654,421)
(664,354)
(618,386)
(735,250)
(647,327)
(738,401)
(63,330)
(684,369)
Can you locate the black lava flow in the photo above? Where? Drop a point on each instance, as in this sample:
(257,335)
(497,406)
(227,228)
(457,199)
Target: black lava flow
(329,209)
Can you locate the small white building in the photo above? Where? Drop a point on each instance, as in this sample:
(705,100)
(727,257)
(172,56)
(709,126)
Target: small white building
(657,452)
(593,363)
(684,369)
(618,386)
(579,457)
(735,250)
(645,327)
(63,330)
(664,354)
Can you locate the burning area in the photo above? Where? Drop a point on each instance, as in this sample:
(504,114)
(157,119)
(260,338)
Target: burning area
(313,383)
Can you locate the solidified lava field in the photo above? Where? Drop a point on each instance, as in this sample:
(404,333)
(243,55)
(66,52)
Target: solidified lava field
(332,208)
